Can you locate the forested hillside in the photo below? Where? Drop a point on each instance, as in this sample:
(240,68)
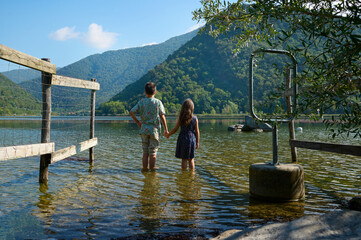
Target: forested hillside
(205,70)
(15,100)
(22,75)
(112,69)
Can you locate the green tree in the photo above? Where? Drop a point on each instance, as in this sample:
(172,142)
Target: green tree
(328,46)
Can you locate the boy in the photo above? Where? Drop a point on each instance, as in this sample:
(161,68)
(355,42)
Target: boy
(150,110)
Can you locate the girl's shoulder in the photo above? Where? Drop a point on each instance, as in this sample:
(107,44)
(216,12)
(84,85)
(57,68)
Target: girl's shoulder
(194,119)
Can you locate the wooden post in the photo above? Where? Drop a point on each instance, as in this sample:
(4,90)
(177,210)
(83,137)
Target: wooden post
(92,123)
(291,124)
(46,121)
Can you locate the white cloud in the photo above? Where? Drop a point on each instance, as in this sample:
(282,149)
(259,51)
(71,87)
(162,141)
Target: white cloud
(99,39)
(149,44)
(199,25)
(64,34)
(95,37)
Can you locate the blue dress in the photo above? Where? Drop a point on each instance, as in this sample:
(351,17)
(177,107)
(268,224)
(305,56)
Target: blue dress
(186,143)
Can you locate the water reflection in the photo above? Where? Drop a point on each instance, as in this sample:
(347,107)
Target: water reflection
(150,209)
(45,201)
(276,211)
(189,191)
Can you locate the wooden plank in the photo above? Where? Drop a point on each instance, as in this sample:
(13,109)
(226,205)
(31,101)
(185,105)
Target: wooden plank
(63,153)
(23,59)
(88,144)
(74,82)
(23,151)
(328,147)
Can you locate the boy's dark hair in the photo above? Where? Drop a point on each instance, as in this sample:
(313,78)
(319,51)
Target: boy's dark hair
(150,88)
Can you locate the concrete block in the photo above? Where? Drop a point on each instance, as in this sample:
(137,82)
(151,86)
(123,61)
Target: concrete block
(283,182)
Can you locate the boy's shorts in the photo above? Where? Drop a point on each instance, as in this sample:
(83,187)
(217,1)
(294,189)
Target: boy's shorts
(149,144)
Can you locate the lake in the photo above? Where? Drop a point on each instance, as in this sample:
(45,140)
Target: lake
(115,199)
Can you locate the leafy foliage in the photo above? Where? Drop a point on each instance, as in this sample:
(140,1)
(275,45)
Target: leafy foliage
(329,47)
(15,100)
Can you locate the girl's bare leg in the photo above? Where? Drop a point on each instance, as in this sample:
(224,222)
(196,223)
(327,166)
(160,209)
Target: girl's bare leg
(184,164)
(191,164)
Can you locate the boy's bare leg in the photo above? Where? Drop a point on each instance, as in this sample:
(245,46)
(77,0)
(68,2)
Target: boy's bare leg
(191,164)
(184,164)
(152,160)
(145,161)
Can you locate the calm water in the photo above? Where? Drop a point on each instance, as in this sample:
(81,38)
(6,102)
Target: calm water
(115,199)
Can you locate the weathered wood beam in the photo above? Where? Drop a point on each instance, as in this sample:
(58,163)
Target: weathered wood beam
(72,150)
(63,153)
(23,59)
(88,144)
(23,151)
(46,123)
(74,82)
(328,147)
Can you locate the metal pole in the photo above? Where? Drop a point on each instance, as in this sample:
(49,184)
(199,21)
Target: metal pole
(46,121)
(291,124)
(275,144)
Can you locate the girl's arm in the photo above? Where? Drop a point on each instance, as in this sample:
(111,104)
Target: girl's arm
(174,130)
(197,133)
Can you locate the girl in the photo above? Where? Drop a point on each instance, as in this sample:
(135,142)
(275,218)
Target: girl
(188,138)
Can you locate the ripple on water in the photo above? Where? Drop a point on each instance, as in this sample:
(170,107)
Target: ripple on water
(116,199)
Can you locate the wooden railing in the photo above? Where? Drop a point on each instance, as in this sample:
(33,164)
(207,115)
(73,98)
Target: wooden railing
(46,149)
(328,147)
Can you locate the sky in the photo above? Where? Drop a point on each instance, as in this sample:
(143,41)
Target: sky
(68,30)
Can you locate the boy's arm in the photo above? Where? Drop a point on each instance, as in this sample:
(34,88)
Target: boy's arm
(164,122)
(197,133)
(174,129)
(132,114)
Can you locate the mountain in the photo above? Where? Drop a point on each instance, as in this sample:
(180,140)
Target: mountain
(22,75)
(113,70)
(206,70)
(15,100)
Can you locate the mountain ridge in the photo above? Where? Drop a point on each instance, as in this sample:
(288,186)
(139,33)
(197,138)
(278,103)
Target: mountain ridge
(206,70)
(112,69)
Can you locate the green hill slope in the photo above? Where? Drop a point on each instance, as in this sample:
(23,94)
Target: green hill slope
(205,70)
(15,100)
(112,69)
(22,75)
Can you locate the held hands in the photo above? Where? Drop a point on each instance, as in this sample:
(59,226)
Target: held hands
(166,134)
(139,124)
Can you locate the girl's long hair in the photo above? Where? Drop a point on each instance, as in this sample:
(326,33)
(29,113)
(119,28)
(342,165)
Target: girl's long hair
(186,112)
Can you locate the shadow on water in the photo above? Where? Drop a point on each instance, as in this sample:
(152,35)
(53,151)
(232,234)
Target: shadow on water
(232,204)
